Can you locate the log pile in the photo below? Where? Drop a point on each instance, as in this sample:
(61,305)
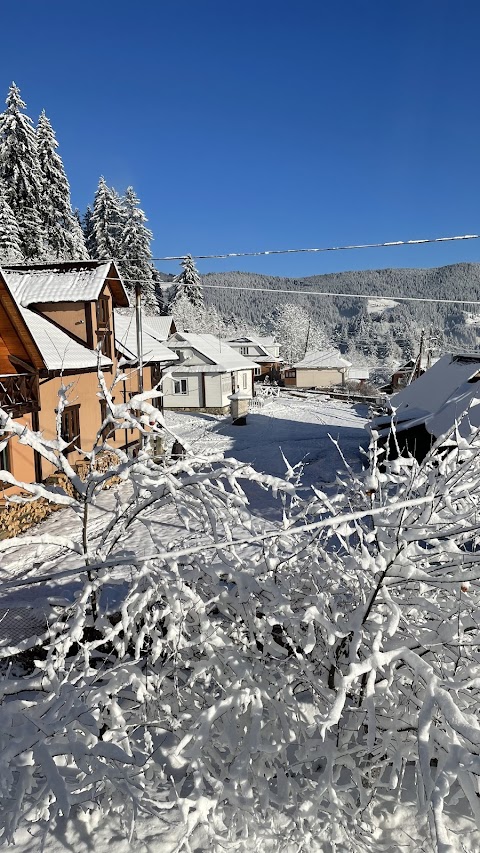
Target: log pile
(16,518)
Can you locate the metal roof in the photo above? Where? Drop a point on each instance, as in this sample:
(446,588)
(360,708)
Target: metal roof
(158,326)
(217,352)
(126,340)
(323,359)
(62,283)
(59,351)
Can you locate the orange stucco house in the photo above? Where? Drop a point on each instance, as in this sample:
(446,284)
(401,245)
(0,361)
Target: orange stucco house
(52,318)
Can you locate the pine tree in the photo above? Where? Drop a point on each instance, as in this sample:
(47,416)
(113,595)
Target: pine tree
(62,233)
(107,223)
(134,250)
(10,242)
(187,284)
(20,173)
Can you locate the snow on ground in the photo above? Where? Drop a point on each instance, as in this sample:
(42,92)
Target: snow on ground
(300,428)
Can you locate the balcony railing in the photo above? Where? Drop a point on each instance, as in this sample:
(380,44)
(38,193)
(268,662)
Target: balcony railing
(19,393)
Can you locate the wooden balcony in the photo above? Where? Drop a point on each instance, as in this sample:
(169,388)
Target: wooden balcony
(19,393)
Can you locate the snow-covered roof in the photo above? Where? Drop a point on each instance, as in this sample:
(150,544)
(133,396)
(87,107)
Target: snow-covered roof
(323,359)
(79,282)
(214,350)
(357,373)
(59,351)
(159,327)
(437,385)
(126,340)
(262,343)
(438,399)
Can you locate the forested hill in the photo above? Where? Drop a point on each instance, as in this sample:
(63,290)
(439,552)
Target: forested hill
(371,327)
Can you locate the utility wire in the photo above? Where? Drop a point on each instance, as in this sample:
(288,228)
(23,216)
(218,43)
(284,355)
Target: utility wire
(316,250)
(274,290)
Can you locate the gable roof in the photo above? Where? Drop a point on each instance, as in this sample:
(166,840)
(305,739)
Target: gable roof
(262,343)
(59,351)
(159,326)
(216,352)
(81,281)
(323,359)
(126,340)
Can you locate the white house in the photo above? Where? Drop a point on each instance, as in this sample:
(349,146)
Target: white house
(265,352)
(207,372)
(319,369)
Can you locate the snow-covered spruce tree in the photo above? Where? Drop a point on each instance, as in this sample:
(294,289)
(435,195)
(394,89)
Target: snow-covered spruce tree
(187,284)
(63,237)
(134,250)
(20,173)
(106,223)
(10,242)
(276,686)
(87,228)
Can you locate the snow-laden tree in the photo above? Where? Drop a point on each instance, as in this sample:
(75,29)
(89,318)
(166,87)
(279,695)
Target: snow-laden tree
(10,240)
(279,686)
(106,223)
(292,327)
(134,250)
(187,284)
(63,237)
(20,173)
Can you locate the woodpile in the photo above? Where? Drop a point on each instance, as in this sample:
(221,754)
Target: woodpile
(16,518)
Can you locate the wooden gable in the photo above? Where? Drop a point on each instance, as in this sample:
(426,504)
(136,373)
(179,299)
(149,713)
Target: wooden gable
(17,348)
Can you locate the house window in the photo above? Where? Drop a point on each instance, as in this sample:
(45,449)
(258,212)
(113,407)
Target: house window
(108,431)
(290,374)
(71,425)
(103,313)
(155,373)
(105,339)
(244,381)
(180,386)
(243,350)
(257,371)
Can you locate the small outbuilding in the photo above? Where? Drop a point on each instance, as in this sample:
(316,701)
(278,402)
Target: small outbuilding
(319,369)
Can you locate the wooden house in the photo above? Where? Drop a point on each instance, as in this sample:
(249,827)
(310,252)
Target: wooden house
(52,318)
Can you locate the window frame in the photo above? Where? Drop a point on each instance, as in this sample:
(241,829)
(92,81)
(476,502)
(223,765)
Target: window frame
(70,428)
(103,312)
(180,383)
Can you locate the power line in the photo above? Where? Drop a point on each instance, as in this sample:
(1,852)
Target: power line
(388,244)
(294,292)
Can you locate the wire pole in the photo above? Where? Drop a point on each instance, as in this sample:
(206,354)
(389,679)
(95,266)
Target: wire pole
(138,318)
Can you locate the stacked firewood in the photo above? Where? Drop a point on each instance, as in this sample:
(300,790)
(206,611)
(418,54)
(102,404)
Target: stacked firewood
(16,518)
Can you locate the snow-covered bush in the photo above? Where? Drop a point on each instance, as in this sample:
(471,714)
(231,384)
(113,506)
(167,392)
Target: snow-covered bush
(265,681)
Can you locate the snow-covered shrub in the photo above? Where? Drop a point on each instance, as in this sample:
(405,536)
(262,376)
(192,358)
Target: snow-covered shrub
(268,682)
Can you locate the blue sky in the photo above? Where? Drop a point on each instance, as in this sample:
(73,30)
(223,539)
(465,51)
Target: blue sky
(268,124)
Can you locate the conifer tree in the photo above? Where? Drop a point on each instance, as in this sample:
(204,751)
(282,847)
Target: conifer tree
(134,250)
(187,284)
(107,223)
(10,242)
(20,173)
(62,233)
